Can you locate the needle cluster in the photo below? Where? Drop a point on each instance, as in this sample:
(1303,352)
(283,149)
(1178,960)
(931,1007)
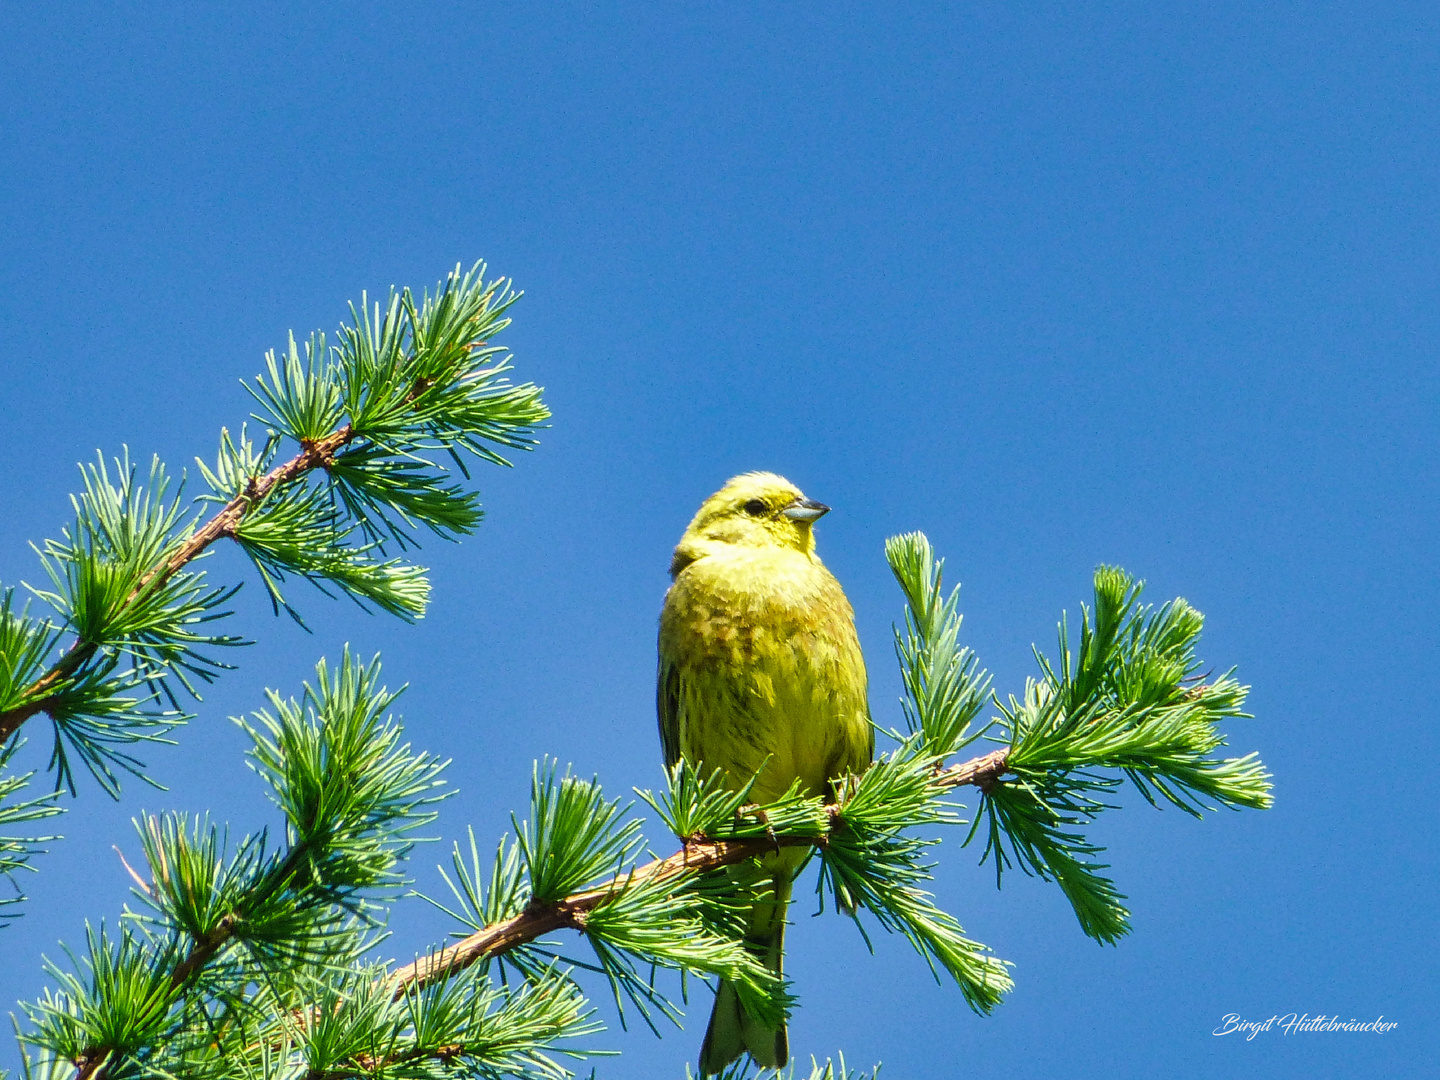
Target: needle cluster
(1127,701)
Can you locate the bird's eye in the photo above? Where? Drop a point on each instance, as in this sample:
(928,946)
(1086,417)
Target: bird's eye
(755,508)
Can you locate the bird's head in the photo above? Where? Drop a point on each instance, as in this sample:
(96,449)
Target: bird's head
(757,510)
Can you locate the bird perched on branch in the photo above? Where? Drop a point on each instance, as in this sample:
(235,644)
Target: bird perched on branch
(760,672)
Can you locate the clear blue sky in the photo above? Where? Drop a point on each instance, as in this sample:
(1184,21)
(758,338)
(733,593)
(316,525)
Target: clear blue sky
(1059,284)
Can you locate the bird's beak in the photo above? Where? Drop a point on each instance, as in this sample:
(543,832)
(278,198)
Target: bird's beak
(805,510)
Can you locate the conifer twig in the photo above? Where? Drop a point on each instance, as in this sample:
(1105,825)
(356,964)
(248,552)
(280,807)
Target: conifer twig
(404,384)
(696,856)
(223,524)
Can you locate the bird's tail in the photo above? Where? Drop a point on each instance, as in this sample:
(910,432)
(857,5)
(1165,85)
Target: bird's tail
(732,1030)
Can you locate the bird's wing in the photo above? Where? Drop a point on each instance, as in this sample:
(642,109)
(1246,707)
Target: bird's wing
(667,708)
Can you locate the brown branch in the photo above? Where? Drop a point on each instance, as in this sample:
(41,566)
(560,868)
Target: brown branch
(204,950)
(312,455)
(983,772)
(696,856)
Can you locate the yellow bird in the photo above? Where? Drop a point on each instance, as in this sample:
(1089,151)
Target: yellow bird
(760,670)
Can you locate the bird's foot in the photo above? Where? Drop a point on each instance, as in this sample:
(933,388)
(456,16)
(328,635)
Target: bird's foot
(751,810)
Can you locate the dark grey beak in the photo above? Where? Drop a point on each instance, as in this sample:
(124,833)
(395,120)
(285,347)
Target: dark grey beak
(805,510)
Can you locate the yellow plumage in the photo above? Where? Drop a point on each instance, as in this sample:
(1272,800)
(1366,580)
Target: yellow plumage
(760,669)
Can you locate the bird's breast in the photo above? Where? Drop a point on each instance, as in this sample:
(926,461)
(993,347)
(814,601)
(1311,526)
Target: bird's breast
(730,607)
(769,669)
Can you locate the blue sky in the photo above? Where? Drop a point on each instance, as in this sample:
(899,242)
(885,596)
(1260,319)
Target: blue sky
(1057,284)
